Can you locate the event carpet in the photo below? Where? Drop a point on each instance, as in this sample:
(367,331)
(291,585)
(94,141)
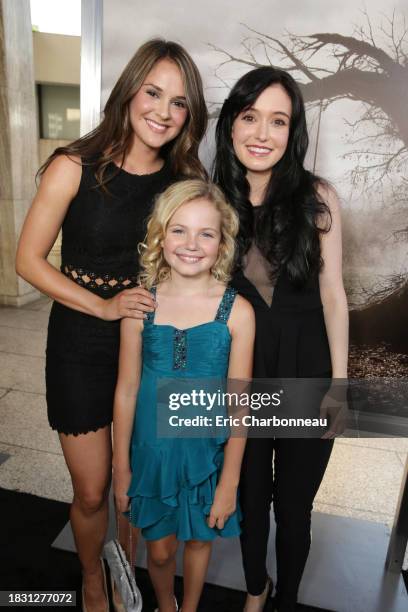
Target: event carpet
(29,525)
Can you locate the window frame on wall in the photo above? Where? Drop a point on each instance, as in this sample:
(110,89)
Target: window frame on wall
(41,89)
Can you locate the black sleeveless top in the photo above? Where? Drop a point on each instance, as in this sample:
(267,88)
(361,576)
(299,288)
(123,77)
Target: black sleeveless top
(100,237)
(102,230)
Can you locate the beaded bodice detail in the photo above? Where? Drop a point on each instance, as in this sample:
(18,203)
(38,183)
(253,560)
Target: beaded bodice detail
(181,337)
(102,229)
(224,309)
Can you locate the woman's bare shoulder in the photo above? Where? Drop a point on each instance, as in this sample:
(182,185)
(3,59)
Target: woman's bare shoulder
(327,193)
(62,175)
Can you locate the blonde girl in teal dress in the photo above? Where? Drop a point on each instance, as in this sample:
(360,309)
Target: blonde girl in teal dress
(178,489)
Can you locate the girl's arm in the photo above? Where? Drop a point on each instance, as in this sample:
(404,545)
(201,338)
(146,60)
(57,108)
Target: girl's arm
(332,291)
(242,328)
(127,386)
(58,186)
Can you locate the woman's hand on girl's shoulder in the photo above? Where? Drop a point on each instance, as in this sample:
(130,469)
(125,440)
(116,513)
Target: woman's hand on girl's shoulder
(133,303)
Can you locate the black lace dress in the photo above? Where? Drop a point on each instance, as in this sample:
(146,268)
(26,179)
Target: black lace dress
(100,234)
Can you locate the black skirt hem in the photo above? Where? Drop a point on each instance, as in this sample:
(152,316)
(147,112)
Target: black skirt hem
(79,432)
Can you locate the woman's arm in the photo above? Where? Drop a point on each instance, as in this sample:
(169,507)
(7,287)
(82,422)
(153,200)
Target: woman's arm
(242,328)
(127,386)
(332,291)
(58,186)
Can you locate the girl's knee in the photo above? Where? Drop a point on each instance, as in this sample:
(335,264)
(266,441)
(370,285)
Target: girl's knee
(161,554)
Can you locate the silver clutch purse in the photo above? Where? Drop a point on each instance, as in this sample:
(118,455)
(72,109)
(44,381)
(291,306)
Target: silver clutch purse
(123,576)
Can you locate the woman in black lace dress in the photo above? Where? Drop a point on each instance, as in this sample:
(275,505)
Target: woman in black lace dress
(100,190)
(290,269)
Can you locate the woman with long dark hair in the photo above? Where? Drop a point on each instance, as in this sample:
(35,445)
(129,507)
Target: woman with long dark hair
(100,190)
(289,267)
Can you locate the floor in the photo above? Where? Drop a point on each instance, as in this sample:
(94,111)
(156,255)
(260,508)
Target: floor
(362,480)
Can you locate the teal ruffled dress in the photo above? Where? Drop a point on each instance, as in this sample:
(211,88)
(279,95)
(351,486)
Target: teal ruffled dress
(174,478)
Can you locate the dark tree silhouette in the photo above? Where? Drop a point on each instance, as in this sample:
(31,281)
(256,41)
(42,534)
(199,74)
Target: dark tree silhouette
(368,68)
(371,68)
(359,68)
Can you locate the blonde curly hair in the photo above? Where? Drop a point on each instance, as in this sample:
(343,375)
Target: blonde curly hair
(154,267)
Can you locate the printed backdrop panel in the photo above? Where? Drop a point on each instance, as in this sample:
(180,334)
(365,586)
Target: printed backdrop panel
(352,62)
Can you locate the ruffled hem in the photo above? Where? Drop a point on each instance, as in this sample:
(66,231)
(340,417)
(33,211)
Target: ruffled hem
(79,432)
(172,491)
(160,471)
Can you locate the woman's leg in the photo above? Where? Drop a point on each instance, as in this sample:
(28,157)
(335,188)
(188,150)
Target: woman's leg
(161,563)
(88,457)
(300,465)
(255,495)
(195,564)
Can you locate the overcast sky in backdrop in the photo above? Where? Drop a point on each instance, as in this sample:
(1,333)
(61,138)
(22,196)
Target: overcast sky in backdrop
(193,23)
(220,22)
(128,23)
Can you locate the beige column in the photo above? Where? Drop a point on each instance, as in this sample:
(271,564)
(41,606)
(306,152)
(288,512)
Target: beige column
(18,142)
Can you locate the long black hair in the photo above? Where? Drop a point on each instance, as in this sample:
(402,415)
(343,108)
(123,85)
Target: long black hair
(287,228)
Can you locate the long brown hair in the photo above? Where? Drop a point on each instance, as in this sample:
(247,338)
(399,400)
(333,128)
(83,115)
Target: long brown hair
(112,138)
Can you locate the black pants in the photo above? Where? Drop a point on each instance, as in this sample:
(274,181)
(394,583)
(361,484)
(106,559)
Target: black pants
(292,482)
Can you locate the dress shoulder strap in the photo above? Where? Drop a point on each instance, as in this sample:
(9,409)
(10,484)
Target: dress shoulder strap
(150,315)
(225,307)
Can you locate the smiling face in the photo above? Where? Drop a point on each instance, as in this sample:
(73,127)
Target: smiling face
(260,133)
(158,111)
(193,237)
